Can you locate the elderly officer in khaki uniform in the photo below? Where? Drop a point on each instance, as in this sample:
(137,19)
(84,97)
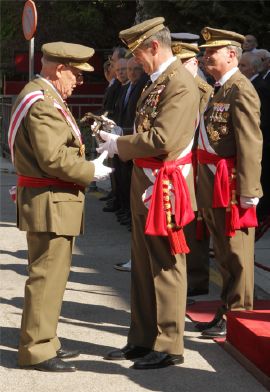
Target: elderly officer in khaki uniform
(48,154)
(229,155)
(162,196)
(198,240)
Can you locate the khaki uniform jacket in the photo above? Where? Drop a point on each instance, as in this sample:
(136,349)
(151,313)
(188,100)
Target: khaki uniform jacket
(205,91)
(232,122)
(46,146)
(165,125)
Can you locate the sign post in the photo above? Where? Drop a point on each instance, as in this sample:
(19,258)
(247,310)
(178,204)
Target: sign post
(29,25)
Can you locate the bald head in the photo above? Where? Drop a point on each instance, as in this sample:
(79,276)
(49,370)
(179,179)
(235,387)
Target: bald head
(250,64)
(250,43)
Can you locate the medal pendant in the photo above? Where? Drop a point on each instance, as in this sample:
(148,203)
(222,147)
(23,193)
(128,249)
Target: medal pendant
(82,149)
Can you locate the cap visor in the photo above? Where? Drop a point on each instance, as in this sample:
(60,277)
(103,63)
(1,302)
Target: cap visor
(83,66)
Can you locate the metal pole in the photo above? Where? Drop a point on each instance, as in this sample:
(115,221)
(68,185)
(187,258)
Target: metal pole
(31,58)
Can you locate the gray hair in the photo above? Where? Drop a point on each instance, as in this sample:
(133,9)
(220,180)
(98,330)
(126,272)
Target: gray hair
(254,60)
(238,51)
(163,37)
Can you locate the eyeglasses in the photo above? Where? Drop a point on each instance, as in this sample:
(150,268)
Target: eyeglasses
(79,77)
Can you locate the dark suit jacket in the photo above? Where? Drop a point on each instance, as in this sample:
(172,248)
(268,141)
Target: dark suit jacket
(110,98)
(128,111)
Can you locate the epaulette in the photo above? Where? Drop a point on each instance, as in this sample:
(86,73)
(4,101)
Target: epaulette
(47,94)
(204,86)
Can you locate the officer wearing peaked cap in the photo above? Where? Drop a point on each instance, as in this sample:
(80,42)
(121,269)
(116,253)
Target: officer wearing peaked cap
(228,188)
(164,131)
(48,155)
(198,257)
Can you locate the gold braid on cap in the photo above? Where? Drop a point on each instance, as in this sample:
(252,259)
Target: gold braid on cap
(176,48)
(134,44)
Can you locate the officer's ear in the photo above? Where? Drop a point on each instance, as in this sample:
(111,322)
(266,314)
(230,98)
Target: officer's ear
(59,69)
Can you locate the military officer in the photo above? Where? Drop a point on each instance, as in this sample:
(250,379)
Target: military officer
(229,155)
(197,236)
(48,154)
(162,197)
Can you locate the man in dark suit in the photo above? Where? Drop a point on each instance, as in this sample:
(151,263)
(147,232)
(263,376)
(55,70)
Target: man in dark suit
(133,90)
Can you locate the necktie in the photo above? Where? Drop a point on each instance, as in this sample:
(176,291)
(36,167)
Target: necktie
(127,95)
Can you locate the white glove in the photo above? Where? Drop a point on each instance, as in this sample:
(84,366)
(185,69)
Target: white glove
(110,144)
(101,171)
(248,202)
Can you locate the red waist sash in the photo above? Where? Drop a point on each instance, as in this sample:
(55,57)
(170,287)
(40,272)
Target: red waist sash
(36,182)
(224,193)
(159,218)
(224,166)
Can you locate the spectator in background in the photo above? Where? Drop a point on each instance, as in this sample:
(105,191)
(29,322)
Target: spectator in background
(250,43)
(109,105)
(250,65)
(137,80)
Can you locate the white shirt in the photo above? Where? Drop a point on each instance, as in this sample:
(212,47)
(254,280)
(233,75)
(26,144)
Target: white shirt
(227,76)
(162,68)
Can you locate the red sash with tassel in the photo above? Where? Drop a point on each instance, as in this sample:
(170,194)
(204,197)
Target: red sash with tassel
(159,219)
(224,194)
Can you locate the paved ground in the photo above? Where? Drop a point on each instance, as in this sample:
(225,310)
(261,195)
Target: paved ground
(95,315)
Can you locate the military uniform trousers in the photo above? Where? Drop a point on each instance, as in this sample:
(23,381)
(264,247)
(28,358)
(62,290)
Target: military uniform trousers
(235,256)
(158,292)
(49,257)
(197,258)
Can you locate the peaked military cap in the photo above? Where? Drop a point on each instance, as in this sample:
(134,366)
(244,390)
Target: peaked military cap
(73,55)
(184,51)
(136,35)
(217,37)
(185,37)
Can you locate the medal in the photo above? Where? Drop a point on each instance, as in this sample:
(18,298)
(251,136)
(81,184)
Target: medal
(82,150)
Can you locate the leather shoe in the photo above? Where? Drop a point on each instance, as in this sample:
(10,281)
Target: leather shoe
(52,365)
(217,331)
(156,360)
(201,326)
(63,354)
(127,352)
(193,292)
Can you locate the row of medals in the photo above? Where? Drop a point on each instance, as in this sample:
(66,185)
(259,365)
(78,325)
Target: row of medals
(152,102)
(218,121)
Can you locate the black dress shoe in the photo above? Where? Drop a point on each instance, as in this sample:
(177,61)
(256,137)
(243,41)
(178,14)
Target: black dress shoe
(194,292)
(156,360)
(52,365)
(62,353)
(201,326)
(127,352)
(218,331)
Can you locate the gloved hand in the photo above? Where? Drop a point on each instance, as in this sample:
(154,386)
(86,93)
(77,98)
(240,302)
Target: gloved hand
(109,145)
(101,171)
(248,202)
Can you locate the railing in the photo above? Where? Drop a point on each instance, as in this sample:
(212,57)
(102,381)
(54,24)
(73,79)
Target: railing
(78,104)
